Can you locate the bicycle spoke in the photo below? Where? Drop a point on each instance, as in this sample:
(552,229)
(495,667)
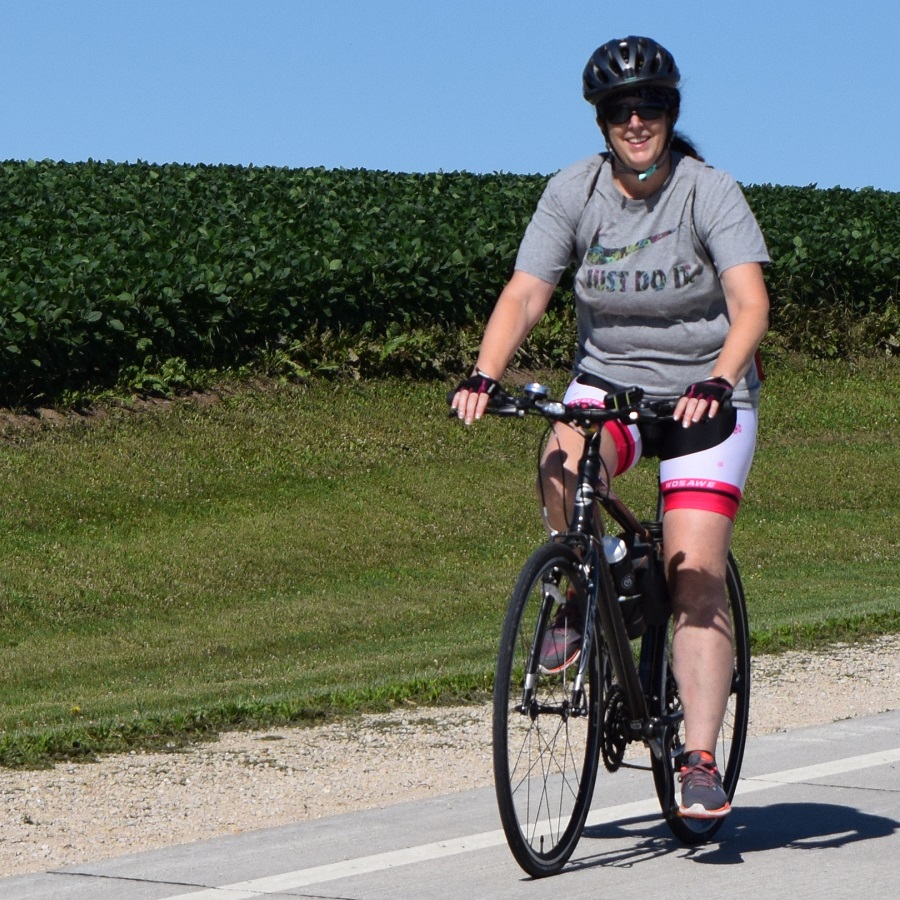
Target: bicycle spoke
(545,754)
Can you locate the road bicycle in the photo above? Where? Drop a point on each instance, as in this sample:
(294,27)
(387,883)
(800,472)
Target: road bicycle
(550,731)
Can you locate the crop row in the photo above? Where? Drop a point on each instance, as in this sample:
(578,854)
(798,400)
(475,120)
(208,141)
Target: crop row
(111,271)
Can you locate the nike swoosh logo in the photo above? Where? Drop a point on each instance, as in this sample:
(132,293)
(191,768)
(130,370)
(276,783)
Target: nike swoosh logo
(598,255)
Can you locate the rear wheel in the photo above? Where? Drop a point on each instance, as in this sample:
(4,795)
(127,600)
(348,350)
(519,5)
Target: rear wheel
(666,702)
(546,731)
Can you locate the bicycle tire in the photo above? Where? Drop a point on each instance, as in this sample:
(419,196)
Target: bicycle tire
(733,735)
(545,755)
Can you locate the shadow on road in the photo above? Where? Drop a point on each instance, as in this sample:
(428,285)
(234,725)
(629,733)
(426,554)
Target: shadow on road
(793,826)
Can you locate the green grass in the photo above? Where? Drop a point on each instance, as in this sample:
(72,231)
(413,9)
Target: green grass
(286,554)
(820,532)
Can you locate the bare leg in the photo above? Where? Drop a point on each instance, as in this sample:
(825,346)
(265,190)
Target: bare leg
(696,544)
(559,472)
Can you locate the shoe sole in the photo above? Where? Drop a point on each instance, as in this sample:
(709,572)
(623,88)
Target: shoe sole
(701,812)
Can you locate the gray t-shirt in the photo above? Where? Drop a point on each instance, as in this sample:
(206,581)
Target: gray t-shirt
(651,310)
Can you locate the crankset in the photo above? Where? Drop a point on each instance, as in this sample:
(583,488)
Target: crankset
(616,729)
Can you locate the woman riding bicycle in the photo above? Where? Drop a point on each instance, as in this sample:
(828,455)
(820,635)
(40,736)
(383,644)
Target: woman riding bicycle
(669,296)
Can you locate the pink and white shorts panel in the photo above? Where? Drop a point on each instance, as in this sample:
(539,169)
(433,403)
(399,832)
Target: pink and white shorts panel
(627,437)
(711,479)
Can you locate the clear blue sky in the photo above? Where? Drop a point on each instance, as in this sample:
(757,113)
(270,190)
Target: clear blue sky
(775,91)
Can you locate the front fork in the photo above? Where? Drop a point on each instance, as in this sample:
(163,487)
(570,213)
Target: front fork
(575,702)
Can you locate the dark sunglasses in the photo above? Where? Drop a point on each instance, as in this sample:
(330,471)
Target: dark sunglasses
(620,113)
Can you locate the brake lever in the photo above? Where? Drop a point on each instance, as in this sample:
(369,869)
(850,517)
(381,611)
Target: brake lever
(504,404)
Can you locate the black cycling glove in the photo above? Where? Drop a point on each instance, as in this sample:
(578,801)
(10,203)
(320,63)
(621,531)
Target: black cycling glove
(718,389)
(479,383)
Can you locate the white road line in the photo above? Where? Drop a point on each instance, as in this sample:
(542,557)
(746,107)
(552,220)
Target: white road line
(258,887)
(822,770)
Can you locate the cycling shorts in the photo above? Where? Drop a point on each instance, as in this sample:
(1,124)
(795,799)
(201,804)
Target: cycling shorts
(702,467)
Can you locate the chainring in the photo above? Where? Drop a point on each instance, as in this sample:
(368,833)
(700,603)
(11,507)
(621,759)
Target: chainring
(616,729)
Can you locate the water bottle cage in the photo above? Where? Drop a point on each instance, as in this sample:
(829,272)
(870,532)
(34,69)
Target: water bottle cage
(650,577)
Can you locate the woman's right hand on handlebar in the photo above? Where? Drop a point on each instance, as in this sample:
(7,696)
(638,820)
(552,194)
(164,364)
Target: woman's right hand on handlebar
(473,395)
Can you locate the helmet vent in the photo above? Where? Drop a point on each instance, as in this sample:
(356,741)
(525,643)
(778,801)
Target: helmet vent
(626,62)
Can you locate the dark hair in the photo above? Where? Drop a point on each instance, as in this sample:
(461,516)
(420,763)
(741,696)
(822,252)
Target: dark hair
(681,144)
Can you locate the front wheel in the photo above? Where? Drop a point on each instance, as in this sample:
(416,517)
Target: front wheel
(665,702)
(546,728)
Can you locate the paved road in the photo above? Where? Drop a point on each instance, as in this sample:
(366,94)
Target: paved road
(817,814)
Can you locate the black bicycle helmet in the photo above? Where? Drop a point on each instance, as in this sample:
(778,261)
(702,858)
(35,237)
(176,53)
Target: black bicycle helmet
(628,62)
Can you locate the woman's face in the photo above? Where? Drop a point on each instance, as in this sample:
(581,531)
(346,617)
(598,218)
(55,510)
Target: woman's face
(641,138)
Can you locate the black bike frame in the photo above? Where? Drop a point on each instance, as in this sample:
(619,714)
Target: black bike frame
(585,528)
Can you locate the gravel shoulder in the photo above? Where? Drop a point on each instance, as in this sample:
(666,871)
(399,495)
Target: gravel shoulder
(251,780)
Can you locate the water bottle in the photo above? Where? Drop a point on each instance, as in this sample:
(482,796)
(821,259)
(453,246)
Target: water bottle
(621,566)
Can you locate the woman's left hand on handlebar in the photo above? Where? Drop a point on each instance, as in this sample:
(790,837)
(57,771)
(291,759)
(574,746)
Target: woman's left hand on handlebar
(702,400)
